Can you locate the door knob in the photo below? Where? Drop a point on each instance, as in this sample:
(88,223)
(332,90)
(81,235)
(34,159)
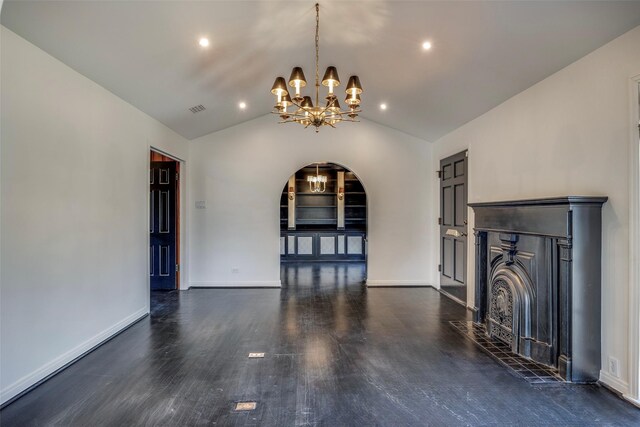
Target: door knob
(455,233)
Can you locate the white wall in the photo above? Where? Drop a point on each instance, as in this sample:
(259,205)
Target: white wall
(568,134)
(74,190)
(240,173)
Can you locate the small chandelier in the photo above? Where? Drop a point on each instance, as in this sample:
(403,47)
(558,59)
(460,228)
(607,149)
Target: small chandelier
(305,113)
(318,183)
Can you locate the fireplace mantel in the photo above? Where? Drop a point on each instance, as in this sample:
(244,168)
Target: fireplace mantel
(538,273)
(563,200)
(546,216)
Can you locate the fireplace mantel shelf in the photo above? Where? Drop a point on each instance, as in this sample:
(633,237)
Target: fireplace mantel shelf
(564,200)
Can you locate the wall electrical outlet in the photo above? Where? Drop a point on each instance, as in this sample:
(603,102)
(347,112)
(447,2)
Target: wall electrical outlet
(614,367)
(201,204)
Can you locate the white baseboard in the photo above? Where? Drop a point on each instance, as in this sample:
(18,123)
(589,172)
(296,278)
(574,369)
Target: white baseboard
(238,284)
(59,362)
(632,400)
(385,283)
(614,383)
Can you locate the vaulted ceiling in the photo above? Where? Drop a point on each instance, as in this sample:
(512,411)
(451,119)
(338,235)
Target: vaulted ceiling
(147,52)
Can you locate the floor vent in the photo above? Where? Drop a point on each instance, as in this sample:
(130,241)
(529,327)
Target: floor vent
(256,355)
(246,406)
(197,108)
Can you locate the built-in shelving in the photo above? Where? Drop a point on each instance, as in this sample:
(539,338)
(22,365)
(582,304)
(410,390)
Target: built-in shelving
(324,226)
(317,221)
(308,209)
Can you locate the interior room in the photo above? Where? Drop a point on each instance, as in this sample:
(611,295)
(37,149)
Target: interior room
(307,213)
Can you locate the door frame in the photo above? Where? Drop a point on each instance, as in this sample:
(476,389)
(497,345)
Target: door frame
(182,230)
(633,392)
(465,301)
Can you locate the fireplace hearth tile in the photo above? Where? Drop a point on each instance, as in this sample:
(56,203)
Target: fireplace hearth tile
(528,370)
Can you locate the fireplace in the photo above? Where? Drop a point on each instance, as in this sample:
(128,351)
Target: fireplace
(538,280)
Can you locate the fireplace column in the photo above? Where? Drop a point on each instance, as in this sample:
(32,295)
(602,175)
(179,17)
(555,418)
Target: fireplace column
(481,275)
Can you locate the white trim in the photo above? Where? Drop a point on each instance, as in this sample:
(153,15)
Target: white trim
(238,284)
(164,153)
(59,362)
(632,400)
(412,283)
(614,383)
(634,245)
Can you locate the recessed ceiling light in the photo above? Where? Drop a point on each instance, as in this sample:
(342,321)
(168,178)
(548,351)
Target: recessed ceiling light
(426,45)
(204,42)
(383,106)
(242,105)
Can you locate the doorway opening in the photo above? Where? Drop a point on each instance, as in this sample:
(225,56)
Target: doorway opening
(164,222)
(323,216)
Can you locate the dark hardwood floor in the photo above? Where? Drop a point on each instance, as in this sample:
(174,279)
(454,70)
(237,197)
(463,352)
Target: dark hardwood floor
(337,354)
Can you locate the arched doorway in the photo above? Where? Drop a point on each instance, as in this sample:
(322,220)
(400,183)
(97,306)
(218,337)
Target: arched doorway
(323,216)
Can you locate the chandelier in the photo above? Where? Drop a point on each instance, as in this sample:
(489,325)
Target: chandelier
(318,183)
(304,111)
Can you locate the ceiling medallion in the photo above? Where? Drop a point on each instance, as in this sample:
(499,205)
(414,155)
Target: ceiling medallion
(305,112)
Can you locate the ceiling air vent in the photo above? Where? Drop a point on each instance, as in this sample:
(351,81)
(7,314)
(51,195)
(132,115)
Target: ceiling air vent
(197,108)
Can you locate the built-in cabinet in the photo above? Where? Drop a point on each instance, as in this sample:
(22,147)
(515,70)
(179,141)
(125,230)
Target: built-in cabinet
(300,245)
(329,225)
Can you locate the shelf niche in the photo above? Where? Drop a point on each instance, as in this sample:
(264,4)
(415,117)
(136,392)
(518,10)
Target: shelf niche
(324,211)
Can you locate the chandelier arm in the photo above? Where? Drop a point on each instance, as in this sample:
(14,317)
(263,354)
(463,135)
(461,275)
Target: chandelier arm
(301,116)
(293,118)
(298,118)
(302,108)
(296,104)
(324,110)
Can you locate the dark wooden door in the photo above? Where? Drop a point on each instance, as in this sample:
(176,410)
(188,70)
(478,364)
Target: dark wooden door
(162,221)
(453,225)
